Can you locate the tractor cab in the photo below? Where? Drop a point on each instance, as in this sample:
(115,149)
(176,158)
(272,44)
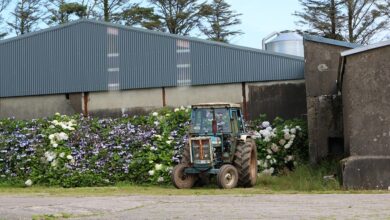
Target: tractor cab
(216,119)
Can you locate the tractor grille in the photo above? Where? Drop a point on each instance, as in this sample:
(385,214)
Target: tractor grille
(201,151)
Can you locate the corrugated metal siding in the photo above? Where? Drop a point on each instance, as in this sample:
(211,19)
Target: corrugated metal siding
(92,56)
(146,60)
(218,64)
(61,61)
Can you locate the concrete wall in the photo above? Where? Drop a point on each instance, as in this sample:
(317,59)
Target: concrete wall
(184,96)
(324,109)
(366,105)
(321,68)
(38,106)
(116,103)
(366,101)
(283,99)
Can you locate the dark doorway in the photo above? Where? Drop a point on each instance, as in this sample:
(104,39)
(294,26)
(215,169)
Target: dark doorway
(336,146)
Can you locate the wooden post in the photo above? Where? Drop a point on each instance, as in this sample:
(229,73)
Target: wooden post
(163,97)
(244,102)
(86,96)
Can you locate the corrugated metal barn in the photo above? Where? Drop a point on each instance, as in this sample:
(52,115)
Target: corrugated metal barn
(94,56)
(89,58)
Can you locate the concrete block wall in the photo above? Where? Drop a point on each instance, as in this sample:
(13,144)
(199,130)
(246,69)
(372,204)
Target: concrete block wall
(277,99)
(366,101)
(39,106)
(281,98)
(324,109)
(184,96)
(366,105)
(116,103)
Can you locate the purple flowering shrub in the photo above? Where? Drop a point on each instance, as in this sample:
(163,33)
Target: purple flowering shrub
(19,143)
(73,151)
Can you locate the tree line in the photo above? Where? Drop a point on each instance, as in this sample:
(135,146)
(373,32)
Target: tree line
(355,21)
(215,19)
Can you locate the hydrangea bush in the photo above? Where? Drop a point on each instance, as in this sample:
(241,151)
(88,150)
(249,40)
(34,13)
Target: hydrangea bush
(73,151)
(281,145)
(84,151)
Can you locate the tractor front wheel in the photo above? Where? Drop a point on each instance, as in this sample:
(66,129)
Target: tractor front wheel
(181,180)
(227,177)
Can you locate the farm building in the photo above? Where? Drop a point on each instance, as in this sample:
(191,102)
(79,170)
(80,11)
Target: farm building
(106,69)
(366,110)
(348,108)
(324,108)
(102,69)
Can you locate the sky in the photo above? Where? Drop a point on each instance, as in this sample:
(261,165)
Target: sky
(259,18)
(262,17)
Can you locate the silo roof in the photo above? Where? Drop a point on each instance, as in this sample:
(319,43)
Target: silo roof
(289,36)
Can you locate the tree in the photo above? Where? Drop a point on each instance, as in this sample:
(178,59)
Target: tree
(112,9)
(324,17)
(27,14)
(142,16)
(177,16)
(356,21)
(91,6)
(3,5)
(385,8)
(364,20)
(60,11)
(219,18)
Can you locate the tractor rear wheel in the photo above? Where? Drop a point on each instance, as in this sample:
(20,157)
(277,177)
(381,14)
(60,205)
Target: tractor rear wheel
(245,161)
(180,179)
(227,177)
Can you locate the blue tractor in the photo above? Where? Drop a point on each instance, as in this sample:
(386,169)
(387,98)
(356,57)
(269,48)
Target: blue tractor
(218,145)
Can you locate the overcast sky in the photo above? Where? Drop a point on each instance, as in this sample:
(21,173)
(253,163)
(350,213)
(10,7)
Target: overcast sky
(262,17)
(259,19)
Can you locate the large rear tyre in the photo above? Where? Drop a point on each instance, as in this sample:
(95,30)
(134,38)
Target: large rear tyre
(227,177)
(181,180)
(246,163)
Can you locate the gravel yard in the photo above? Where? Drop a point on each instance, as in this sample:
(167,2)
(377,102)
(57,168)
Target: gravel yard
(266,206)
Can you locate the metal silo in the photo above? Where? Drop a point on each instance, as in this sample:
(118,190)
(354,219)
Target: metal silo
(287,43)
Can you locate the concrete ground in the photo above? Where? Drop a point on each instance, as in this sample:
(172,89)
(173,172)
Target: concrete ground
(294,206)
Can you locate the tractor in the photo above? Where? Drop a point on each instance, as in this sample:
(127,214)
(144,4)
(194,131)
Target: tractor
(217,145)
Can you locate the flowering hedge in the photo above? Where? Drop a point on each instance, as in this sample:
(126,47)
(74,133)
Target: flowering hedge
(84,151)
(73,151)
(281,145)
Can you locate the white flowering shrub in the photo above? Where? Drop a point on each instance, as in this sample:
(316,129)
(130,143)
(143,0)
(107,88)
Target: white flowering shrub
(281,145)
(72,151)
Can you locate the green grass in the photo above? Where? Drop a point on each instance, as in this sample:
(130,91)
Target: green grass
(52,216)
(305,179)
